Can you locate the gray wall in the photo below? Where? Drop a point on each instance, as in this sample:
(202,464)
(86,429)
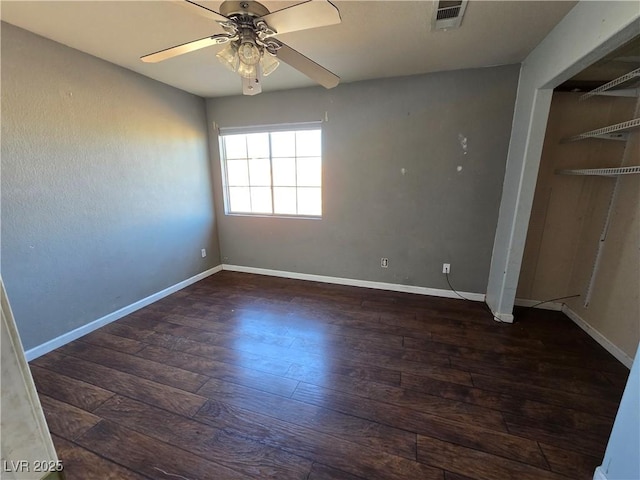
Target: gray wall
(106,190)
(430,215)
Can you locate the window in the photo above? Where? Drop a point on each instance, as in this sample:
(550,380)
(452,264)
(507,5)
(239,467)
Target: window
(275,170)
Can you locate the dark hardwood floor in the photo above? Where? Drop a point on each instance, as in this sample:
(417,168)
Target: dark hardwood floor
(244,376)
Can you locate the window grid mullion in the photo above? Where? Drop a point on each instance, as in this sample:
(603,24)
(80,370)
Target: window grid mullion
(273,202)
(226,176)
(295,166)
(246,144)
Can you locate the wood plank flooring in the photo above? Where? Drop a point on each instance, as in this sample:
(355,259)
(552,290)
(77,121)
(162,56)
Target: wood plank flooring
(249,377)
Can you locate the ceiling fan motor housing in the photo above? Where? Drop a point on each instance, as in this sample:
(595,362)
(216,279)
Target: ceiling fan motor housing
(253,9)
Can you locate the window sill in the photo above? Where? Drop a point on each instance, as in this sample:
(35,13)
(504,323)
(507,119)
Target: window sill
(258,215)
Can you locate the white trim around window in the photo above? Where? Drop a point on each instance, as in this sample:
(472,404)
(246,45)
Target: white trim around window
(272,170)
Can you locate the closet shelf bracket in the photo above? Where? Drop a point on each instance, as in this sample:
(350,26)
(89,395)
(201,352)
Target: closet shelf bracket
(612,132)
(602,172)
(606,88)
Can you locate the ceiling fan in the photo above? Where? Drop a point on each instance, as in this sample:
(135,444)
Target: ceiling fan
(249,31)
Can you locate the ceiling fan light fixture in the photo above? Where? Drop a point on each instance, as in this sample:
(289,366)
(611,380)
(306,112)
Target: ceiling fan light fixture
(249,53)
(269,63)
(244,58)
(228,56)
(247,71)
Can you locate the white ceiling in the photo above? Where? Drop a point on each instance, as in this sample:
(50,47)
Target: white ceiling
(375,39)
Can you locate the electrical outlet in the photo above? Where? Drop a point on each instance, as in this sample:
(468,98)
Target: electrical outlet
(203,252)
(384,262)
(446,268)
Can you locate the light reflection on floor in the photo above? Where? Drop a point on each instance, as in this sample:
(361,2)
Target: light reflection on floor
(285,339)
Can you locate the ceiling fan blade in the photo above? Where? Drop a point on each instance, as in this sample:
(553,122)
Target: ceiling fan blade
(185,48)
(307,66)
(203,11)
(310,14)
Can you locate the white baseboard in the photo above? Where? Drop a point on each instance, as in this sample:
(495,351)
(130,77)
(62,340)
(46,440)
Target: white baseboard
(599,474)
(65,338)
(394,287)
(555,306)
(598,337)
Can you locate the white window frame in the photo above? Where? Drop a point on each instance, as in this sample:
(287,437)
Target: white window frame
(284,127)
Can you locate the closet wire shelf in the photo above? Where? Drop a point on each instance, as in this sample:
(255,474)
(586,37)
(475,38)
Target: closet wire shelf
(613,83)
(612,132)
(602,172)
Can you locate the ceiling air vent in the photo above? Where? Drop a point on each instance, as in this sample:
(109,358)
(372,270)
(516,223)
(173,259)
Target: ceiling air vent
(448,14)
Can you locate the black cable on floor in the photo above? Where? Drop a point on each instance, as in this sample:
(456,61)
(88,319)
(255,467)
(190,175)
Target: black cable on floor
(496,318)
(454,290)
(553,300)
